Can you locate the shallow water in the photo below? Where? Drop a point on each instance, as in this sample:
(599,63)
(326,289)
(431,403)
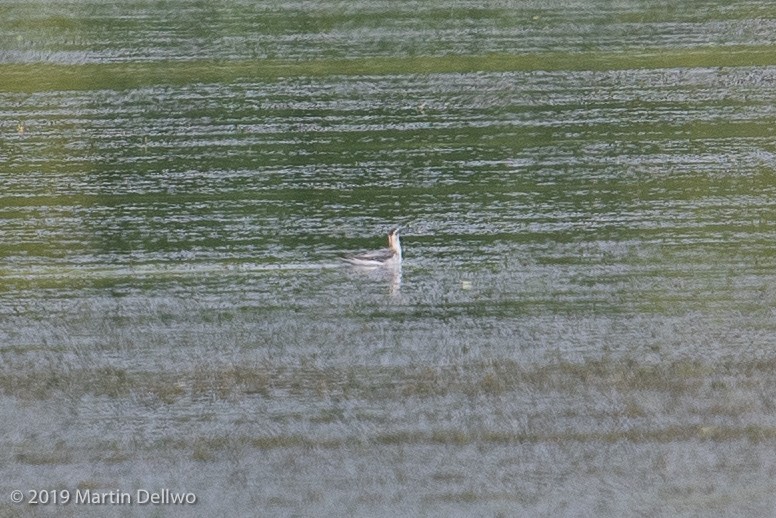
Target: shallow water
(583,320)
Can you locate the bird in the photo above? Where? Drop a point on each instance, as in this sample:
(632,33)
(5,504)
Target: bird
(389,257)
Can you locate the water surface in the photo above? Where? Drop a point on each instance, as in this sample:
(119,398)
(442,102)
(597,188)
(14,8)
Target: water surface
(583,321)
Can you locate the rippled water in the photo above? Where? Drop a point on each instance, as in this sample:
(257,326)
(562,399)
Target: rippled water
(80,31)
(583,321)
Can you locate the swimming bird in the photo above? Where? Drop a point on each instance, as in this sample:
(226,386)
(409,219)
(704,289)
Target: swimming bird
(390,256)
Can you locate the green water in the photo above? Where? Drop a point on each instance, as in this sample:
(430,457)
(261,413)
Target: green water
(583,321)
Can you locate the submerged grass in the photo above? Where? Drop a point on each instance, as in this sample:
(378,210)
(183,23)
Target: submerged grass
(603,401)
(491,378)
(309,421)
(36,77)
(210,448)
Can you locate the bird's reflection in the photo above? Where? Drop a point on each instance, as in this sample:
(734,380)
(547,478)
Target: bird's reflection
(395,281)
(391,276)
